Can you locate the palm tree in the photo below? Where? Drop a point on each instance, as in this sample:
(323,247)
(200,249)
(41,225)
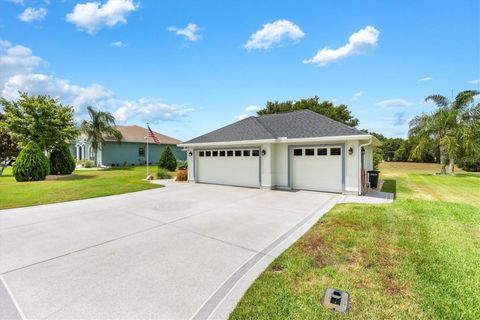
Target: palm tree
(100,126)
(448,127)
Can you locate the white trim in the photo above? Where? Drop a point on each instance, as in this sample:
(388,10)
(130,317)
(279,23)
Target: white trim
(279,140)
(360,165)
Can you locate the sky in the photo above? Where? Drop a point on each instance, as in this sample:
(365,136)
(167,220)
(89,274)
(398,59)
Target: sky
(189,67)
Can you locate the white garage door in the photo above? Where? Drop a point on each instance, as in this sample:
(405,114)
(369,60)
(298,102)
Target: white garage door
(317,168)
(237,167)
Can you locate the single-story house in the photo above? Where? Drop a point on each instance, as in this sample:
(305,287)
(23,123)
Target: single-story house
(131,150)
(299,150)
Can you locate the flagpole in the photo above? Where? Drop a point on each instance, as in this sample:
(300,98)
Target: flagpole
(148,173)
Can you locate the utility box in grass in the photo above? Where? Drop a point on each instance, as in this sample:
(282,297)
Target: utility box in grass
(336,300)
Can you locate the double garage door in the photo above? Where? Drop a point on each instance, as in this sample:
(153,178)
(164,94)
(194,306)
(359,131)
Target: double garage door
(316,168)
(311,168)
(235,167)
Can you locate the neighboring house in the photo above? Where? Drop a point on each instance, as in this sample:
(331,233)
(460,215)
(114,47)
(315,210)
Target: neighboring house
(292,150)
(132,150)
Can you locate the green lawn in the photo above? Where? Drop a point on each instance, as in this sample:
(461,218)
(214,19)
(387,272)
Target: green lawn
(418,258)
(81,185)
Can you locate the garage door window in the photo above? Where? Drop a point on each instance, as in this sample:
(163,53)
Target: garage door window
(222,153)
(335,151)
(238,153)
(246,153)
(208,153)
(230,153)
(322,151)
(309,152)
(201,153)
(297,152)
(215,154)
(255,153)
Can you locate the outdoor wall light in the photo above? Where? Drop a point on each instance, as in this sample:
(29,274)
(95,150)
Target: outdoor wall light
(264,152)
(350,151)
(190,153)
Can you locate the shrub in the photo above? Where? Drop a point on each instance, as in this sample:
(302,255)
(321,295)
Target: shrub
(182,165)
(87,164)
(167,160)
(471,163)
(61,161)
(377,159)
(31,164)
(163,173)
(182,175)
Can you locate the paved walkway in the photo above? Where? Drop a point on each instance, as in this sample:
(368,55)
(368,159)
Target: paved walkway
(183,251)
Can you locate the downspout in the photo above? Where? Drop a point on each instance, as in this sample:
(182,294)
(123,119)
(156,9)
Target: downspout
(360,165)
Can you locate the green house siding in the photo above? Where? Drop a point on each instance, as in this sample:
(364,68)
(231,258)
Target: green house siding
(121,153)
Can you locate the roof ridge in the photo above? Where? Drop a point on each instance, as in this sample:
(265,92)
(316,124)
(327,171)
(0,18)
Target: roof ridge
(264,127)
(333,120)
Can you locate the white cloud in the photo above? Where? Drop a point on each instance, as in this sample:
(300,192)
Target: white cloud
(252,109)
(150,109)
(191,31)
(274,33)
(119,44)
(358,95)
(16,60)
(358,43)
(396,102)
(92,16)
(21,75)
(248,112)
(476,81)
(30,14)
(425,79)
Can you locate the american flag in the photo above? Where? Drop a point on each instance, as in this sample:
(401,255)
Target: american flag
(152,135)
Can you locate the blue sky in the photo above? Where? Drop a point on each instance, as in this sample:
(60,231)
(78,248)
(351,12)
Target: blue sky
(189,67)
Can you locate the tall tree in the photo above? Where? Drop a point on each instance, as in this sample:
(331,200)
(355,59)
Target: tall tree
(447,126)
(8,147)
(100,126)
(40,119)
(327,108)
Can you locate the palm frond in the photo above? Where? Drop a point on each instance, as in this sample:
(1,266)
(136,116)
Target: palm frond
(438,99)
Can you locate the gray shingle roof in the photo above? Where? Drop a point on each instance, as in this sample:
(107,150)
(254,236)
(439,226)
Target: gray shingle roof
(295,124)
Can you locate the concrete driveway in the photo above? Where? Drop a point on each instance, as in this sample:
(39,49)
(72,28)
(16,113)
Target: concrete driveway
(183,251)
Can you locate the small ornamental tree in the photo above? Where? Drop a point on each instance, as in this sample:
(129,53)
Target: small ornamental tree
(61,161)
(167,160)
(31,164)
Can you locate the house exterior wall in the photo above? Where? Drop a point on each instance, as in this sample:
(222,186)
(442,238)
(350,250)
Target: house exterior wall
(125,153)
(274,168)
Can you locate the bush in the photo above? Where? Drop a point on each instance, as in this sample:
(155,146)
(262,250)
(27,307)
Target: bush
(163,173)
(182,165)
(87,164)
(377,159)
(61,161)
(167,160)
(31,164)
(471,163)
(182,175)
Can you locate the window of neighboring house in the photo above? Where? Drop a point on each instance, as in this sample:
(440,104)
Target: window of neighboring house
(297,152)
(141,151)
(201,153)
(321,151)
(238,153)
(222,153)
(208,153)
(255,153)
(230,153)
(92,154)
(215,154)
(309,152)
(335,151)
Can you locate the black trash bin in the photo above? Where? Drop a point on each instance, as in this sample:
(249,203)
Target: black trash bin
(373,178)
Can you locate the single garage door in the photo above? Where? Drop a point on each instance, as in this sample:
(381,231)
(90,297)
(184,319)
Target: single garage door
(317,168)
(235,167)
